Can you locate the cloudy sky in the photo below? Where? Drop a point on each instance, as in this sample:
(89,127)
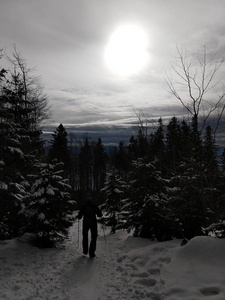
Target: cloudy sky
(67,41)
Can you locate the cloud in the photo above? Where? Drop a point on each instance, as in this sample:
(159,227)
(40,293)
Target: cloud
(115,127)
(66,41)
(110,135)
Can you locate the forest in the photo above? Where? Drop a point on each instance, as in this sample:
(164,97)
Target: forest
(167,182)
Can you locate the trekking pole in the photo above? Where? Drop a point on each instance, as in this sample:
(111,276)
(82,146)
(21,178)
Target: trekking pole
(78,239)
(103,227)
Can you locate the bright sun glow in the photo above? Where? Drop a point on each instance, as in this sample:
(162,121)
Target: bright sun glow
(126,53)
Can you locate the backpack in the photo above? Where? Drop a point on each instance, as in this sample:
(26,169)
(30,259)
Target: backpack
(89,213)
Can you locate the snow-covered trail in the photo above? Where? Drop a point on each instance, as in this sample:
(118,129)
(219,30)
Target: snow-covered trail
(118,271)
(125,268)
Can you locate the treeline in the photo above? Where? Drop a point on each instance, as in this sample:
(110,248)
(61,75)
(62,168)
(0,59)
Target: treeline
(168,183)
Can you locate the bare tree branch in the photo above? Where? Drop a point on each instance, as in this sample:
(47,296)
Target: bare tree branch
(196,76)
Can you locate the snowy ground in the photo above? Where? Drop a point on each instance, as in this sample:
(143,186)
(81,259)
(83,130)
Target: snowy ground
(125,268)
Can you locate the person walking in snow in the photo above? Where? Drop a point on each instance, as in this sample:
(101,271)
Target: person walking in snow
(88,212)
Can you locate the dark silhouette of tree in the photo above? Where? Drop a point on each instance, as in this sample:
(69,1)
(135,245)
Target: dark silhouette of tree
(210,157)
(113,192)
(26,87)
(86,166)
(12,177)
(139,146)
(121,161)
(99,165)
(173,145)
(146,201)
(223,163)
(20,141)
(59,148)
(185,142)
(157,144)
(74,169)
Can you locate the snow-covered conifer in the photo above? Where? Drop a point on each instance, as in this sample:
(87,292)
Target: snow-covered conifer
(146,205)
(48,207)
(114,192)
(12,160)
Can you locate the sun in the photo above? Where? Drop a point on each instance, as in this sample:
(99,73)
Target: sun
(126,52)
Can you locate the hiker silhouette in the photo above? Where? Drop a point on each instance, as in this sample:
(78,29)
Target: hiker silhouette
(88,212)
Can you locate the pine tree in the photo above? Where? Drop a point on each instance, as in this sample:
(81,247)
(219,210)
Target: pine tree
(59,149)
(212,192)
(187,203)
(146,205)
(74,170)
(173,144)
(157,145)
(86,166)
(12,181)
(139,146)
(99,165)
(210,157)
(48,207)
(113,191)
(196,140)
(22,107)
(223,163)
(121,160)
(185,141)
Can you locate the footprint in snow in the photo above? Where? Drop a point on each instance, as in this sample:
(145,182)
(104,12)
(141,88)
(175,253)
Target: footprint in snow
(210,291)
(154,271)
(166,260)
(146,282)
(140,275)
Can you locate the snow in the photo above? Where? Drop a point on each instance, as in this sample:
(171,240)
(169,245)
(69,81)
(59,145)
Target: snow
(3,186)
(2,164)
(15,150)
(39,193)
(117,191)
(50,190)
(41,216)
(125,268)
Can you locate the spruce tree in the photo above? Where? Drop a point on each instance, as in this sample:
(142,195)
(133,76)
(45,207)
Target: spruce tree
(86,166)
(121,162)
(22,107)
(186,194)
(139,146)
(173,145)
(99,165)
(212,191)
(59,148)
(210,157)
(223,163)
(12,160)
(48,207)
(146,203)
(186,204)
(113,194)
(185,141)
(157,145)
(12,181)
